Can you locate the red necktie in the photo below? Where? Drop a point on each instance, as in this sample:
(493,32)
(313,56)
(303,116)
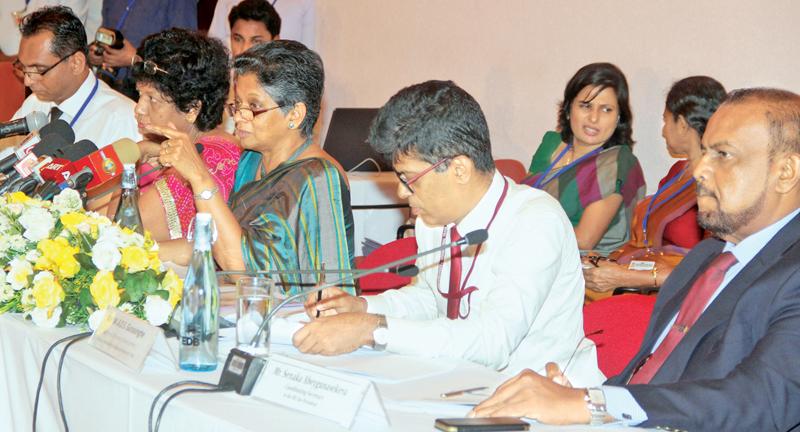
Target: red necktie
(453,299)
(693,305)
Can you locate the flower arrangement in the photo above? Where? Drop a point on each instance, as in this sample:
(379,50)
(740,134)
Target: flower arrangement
(61,265)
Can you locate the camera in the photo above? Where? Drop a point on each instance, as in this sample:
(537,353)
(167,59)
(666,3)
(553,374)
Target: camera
(106,37)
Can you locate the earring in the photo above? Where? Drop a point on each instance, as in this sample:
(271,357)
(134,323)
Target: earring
(291,125)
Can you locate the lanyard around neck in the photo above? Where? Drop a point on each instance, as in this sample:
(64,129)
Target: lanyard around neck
(651,207)
(85,103)
(540,183)
(462,285)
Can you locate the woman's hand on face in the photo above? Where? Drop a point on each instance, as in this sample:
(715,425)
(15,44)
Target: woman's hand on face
(605,277)
(179,152)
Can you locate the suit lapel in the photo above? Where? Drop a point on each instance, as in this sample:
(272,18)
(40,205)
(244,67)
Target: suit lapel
(721,309)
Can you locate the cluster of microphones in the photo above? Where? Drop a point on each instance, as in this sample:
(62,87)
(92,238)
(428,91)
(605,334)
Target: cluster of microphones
(49,160)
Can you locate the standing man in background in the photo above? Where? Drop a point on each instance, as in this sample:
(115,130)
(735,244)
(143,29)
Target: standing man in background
(252,22)
(297,20)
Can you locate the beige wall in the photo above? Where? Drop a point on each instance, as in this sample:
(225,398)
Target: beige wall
(515,56)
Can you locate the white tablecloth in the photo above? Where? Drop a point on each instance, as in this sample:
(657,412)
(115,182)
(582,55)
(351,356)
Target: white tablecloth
(368,192)
(102,395)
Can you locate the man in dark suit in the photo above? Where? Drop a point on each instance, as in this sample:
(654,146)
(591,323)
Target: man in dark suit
(722,350)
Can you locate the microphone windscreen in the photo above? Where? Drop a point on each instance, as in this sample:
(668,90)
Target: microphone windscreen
(127,150)
(476,237)
(78,150)
(59,127)
(51,144)
(35,121)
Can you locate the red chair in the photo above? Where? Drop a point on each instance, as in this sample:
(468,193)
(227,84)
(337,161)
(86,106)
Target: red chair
(380,282)
(620,323)
(12,89)
(511,168)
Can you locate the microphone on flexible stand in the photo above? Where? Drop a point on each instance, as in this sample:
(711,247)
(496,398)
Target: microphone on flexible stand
(242,368)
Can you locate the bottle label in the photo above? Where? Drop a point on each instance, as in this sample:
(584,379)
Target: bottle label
(190,341)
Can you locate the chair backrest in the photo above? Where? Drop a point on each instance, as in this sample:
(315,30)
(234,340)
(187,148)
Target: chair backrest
(12,89)
(511,168)
(379,282)
(623,320)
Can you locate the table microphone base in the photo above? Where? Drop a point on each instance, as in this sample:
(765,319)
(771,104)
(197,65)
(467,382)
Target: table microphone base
(241,371)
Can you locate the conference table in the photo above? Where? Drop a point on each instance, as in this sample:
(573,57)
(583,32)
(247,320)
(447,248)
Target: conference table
(101,394)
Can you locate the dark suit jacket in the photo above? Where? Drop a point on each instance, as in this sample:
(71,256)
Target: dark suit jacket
(738,367)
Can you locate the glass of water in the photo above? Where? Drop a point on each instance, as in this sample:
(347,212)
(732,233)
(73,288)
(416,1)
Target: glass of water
(254,298)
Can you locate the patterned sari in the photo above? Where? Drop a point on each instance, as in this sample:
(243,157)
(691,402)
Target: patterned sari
(297,217)
(612,170)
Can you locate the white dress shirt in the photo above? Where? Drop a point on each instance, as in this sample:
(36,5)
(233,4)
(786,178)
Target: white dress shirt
(107,117)
(528,308)
(297,20)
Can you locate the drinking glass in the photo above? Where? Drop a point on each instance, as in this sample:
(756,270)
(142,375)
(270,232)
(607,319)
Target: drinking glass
(254,300)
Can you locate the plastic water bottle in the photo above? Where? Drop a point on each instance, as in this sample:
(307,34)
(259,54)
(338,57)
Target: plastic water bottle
(128,209)
(199,330)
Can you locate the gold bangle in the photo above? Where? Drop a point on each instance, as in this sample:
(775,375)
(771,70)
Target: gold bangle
(655,276)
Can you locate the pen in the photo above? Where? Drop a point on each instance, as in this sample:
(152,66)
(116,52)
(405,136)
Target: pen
(320,282)
(461,392)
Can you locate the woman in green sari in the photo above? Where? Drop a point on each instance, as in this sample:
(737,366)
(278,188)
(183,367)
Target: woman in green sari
(290,206)
(588,165)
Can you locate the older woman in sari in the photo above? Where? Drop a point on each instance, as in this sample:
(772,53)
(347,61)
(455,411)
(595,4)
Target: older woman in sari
(290,209)
(664,226)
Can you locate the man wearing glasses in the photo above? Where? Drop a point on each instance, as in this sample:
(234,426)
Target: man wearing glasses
(509,303)
(52,59)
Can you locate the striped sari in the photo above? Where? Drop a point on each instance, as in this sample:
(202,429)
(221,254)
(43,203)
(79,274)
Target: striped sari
(612,170)
(298,217)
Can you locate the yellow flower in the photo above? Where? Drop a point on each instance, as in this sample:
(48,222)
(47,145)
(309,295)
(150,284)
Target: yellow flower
(17,198)
(72,220)
(174,285)
(155,262)
(47,292)
(105,290)
(58,256)
(134,259)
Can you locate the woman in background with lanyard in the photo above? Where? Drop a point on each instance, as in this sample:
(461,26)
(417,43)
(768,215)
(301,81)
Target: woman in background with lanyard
(589,165)
(664,226)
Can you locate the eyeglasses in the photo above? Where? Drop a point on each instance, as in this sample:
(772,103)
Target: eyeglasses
(39,74)
(407,182)
(247,113)
(148,66)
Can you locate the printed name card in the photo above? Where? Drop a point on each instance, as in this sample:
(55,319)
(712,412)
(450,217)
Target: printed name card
(124,337)
(318,391)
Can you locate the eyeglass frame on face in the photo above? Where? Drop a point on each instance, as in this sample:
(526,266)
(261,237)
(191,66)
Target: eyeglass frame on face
(37,75)
(407,182)
(234,107)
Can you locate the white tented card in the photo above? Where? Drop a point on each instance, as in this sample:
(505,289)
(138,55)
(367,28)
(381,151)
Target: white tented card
(320,392)
(641,265)
(124,337)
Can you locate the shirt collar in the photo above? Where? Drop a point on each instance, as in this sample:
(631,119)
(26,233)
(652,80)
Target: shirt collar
(73,103)
(747,249)
(479,216)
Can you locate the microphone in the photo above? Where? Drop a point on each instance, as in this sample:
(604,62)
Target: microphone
(242,368)
(23,126)
(40,144)
(105,165)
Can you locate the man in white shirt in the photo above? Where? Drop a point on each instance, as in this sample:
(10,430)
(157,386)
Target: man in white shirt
(517,299)
(52,58)
(721,348)
(88,11)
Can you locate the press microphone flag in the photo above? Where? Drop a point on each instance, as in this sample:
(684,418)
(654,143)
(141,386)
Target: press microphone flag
(471,238)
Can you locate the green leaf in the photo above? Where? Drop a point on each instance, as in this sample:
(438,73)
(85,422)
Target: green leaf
(138,284)
(85,297)
(85,261)
(164,294)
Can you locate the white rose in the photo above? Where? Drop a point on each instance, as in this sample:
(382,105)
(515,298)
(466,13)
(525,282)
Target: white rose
(27,298)
(111,234)
(126,307)
(6,292)
(38,223)
(157,310)
(18,275)
(41,318)
(68,200)
(105,255)
(33,255)
(96,318)
(16,208)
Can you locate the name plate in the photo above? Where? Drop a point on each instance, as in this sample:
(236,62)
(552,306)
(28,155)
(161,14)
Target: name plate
(318,391)
(124,337)
(641,265)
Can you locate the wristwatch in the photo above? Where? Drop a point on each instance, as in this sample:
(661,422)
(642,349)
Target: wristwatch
(206,194)
(596,403)
(380,335)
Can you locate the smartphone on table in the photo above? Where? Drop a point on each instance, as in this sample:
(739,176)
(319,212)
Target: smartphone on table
(481,424)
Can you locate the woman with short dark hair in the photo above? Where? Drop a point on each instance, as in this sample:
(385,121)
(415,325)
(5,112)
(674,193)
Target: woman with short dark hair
(588,165)
(290,209)
(182,79)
